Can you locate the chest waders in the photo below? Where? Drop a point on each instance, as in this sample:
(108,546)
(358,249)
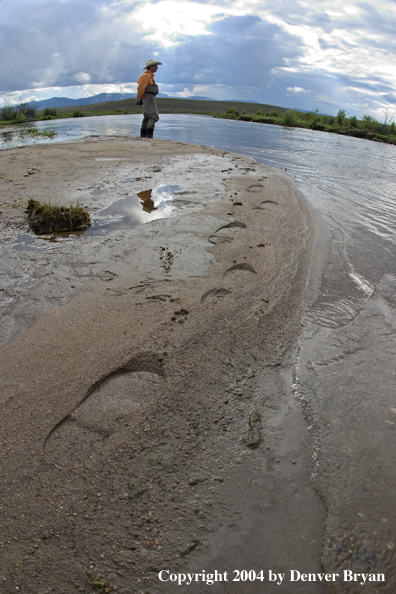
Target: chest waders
(150,116)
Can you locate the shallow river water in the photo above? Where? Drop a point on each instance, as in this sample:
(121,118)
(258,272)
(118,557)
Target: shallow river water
(344,372)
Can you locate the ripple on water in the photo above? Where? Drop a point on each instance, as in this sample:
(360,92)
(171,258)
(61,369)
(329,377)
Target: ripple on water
(346,378)
(333,315)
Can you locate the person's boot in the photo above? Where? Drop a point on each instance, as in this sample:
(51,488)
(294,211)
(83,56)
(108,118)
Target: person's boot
(143,129)
(150,132)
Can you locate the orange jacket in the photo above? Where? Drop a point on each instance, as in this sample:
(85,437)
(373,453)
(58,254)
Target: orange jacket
(146,79)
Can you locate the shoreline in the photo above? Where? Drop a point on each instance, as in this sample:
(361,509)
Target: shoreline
(126,403)
(364,129)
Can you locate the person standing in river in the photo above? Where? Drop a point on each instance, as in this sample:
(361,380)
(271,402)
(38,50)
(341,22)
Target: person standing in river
(146,96)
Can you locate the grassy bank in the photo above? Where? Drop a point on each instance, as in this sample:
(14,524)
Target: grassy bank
(367,128)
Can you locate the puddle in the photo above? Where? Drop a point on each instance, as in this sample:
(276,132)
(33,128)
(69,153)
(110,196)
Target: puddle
(23,241)
(30,241)
(134,210)
(123,214)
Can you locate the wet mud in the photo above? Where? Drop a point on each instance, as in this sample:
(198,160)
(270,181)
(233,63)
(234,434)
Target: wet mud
(347,335)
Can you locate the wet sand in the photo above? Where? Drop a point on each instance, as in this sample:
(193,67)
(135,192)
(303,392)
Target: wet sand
(139,369)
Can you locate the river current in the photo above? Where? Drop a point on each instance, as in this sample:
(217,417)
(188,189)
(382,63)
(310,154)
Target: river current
(344,371)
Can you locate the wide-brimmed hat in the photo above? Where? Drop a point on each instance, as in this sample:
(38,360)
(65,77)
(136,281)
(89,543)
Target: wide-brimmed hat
(152,63)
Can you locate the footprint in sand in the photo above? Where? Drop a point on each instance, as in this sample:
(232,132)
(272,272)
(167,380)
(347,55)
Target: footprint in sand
(243,266)
(222,234)
(263,204)
(215,294)
(110,405)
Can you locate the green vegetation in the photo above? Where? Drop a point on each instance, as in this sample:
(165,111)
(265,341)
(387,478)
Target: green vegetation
(17,114)
(48,218)
(99,583)
(194,106)
(368,127)
(49,113)
(289,119)
(34,132)
(341,116)
(78,113)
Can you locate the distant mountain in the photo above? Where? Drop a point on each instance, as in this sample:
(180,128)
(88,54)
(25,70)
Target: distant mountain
(101,98)
(196,97)
(308,111)
(210,99)
(66,102)
(104,97)
(241,100)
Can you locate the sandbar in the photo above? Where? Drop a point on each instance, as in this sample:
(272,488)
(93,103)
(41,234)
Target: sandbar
(147,417)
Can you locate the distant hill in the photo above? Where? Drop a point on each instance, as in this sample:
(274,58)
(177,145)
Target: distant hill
(242,100)
(308,111)
(101,98)
(106,97)
(199,98)
(196,97)
(66,102)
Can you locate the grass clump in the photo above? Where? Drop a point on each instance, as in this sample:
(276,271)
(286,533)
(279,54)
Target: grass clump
(33,132)
(49,218)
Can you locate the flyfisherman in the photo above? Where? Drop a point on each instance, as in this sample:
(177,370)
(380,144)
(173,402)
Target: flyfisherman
(146,96)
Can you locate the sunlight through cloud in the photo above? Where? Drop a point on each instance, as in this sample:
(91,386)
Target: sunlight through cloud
(171,20)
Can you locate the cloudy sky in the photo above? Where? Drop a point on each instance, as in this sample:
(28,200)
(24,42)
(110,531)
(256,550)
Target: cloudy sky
(324,54)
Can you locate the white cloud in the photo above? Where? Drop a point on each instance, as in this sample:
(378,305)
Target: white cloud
(82,77)
(296,90)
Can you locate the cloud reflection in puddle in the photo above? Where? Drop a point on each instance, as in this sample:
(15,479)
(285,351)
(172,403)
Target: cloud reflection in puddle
(122,215)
